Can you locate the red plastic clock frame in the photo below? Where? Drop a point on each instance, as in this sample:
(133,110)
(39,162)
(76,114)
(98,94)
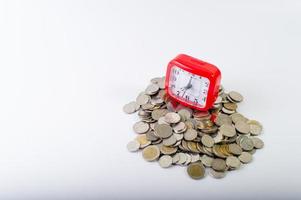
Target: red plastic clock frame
(200,68)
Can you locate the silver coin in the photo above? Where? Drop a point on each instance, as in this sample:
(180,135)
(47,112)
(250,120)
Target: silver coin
(219,164)
(247,144)
(165,161)
(161,120)
(252,151)
(218,138)
(150,136)
(258,143)
(157,101)
(188,159)
(179,127)
(242,127)
(157,114)
(170,141)
(227,130)
(229,112)
(237,117)
(182,159)
(195,157)
(235,96)
(131,107)
(172,118)
(185,113)
(152,89)
(216,174)
(177,143)
(161,83)
(141,127)
(190,134)
(235,149)
(175,158)
(223,119)
(133,145)
(179,136)
(245,157)
(142,99)
(207,140)
(163,130)
(206,160)
(233,162)
(255,127)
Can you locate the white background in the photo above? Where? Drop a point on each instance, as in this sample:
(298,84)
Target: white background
(68,67)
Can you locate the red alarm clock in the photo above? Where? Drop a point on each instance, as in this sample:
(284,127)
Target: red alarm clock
(192,82)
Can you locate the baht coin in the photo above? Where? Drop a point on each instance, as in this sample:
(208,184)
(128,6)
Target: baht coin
(163,130)
(172,118)
(258,143)
(255,127)
(196,170)
(152,89)
(190,134)
(142,99)
(233,162)
(165,161)
(235,96)
(245,157)
(242,127)
(151,153)
(207,141)
(133,146)
(219,164)
(227,130)
(141,127)
(246,144)
(131,107)
(235,149)
(216,174)
(170,140)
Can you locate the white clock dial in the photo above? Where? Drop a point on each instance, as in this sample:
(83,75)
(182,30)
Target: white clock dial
(190,87)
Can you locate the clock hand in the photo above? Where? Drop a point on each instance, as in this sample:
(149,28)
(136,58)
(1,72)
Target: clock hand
(188,86)
(189,83)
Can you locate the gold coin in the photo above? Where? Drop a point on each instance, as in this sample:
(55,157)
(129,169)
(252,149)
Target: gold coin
(143,140)
(230,106)
(168,150)
(196,170)
(151,153)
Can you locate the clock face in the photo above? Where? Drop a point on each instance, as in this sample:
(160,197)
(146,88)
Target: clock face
(189,87)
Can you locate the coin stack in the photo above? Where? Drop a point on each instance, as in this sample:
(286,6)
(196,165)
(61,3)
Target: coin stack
(220,139)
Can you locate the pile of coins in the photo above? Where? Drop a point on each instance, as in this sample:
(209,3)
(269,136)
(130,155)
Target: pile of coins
(220,139)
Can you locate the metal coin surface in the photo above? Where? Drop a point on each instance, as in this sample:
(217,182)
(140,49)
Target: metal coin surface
(190,134)
(196,170)
(165,161)
(133,146)
(151,153)
(131,107)
(141,127)
(245,157)
(163,130)
(237,97)
(216,174)
(172,118)
(219,164)
(207,140)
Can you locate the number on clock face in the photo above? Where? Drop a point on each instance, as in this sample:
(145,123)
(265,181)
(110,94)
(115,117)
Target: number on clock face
(189,87)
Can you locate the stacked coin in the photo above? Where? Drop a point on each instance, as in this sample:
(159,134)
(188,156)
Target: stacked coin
(221,139)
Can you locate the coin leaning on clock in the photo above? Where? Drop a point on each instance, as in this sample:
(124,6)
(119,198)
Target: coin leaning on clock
(221,139)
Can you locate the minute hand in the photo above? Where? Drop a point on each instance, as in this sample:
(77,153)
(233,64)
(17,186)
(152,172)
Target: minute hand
(188,86)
